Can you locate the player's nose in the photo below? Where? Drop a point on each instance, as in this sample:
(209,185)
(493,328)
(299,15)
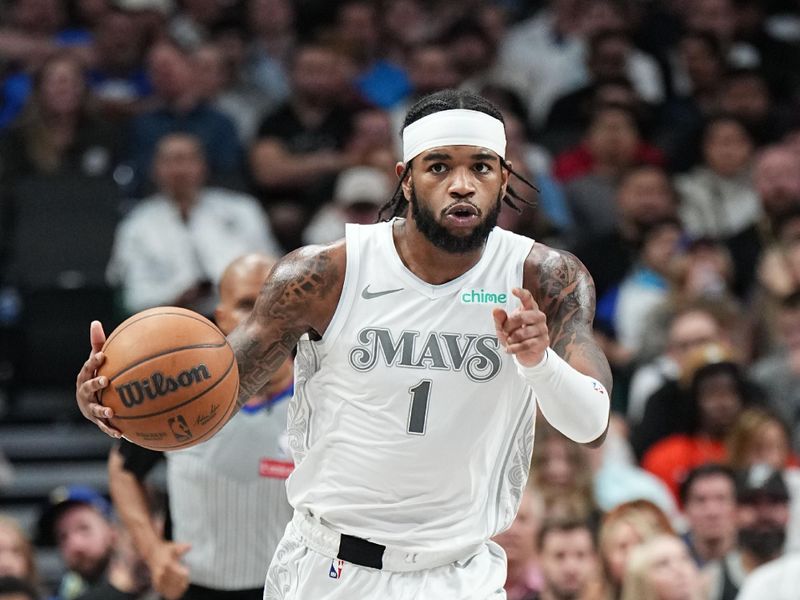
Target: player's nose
(462,183)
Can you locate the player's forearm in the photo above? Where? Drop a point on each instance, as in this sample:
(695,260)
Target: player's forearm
(130,503)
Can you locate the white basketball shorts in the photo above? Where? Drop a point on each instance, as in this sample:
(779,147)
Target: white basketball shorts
(299,573)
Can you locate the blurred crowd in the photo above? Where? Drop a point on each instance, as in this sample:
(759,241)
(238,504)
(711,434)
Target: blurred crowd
(144,144)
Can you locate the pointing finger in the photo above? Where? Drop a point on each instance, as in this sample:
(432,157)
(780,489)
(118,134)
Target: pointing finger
(526,298)
(500,317)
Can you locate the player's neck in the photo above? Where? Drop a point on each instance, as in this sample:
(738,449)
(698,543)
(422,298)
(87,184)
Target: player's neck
(427,261)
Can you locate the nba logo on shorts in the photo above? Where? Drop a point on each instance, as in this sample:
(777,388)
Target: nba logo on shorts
(335,571)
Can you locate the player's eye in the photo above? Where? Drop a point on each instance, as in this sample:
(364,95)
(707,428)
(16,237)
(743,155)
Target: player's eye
(482,168)
(438,168)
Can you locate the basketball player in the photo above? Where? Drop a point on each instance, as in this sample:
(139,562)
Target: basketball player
(424,344)
(228,495)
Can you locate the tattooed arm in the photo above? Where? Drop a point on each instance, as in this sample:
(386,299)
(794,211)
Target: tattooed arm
(299,296)
(565,293)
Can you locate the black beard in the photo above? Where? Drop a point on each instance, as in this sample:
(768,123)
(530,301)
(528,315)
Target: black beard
(438,235)
(764,544)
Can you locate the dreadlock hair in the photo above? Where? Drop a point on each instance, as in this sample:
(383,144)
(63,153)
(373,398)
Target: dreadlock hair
(437,102)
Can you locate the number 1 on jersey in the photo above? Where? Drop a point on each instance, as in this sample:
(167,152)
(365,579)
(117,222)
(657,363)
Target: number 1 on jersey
(418,413)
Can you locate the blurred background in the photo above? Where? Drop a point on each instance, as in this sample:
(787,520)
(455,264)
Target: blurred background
(144,144)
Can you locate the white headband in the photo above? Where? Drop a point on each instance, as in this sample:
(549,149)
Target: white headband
(456,127)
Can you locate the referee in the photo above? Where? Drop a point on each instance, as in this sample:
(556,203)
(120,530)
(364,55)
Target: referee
(227,495)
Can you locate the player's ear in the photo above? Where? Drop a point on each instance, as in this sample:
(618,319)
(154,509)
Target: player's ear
(404,173)
(505,173)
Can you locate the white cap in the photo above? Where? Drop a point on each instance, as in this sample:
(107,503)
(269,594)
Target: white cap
(362,184)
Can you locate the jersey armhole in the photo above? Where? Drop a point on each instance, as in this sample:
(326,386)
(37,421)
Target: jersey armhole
(352,257)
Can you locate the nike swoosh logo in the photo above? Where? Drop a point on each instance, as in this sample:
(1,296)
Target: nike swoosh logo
(367,295)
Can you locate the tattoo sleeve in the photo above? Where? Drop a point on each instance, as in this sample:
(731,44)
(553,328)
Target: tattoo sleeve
(299,288)
(566,294)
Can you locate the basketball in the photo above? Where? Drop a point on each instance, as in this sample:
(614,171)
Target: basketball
(172,378)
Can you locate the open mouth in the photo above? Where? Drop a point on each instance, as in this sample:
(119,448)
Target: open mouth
(463,211)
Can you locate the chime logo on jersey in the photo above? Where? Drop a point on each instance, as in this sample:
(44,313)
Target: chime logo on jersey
(335,572)
(476,355)
(481,296)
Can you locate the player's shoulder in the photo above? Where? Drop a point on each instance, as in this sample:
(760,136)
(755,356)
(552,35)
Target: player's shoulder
(320,263)
(546,259)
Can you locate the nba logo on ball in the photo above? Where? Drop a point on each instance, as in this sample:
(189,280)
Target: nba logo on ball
(335,571)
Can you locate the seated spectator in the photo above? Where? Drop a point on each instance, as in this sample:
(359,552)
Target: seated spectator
(644,196)
(180,108)
(661,569)
(116,74)
(58,132)
(78,521)
(779,372)
(561,473)
(359,194)
(708,497)
(568,558)
(612,143)
(689,327)
(760,437)
(271,26)
(762,514)
(776,178)
(217,77)
(16,554)
(301,146)
(524,574)
(622,529)
(629,308)
(718,199)
(745,95)
(173,247)
(12,588)
(671,409)
(718,396)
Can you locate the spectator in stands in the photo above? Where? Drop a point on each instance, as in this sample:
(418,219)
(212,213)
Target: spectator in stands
(689,327)
(379,81)
(697,74)
(17,557)
(708,497)
(761,437)
(359,194)
(779,372)
(217,78)
(12,588)
(661,569)
(78,521)
(718,199)
(762,514)
(745,95)
(592,171)
(630,308)
(271,25)
(181,109)
(524,574)
(173,247)
(116,74)
(561,473)
(58,132)
(622,529)
(776,177)
(718,396)
(568,559)
(644,196)
(301,146)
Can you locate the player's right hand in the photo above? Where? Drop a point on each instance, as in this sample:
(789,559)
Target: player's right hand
(87,385)
(169,575)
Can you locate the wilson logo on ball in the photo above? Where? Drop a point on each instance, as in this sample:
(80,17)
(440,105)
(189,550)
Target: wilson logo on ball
(158,384)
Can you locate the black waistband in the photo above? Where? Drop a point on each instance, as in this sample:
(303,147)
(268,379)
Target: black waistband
(360,552)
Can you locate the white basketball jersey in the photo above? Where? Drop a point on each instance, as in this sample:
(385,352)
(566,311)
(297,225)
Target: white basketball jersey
(228,498)
(410,425)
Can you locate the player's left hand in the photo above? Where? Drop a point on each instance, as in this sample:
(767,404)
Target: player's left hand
(523,332)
